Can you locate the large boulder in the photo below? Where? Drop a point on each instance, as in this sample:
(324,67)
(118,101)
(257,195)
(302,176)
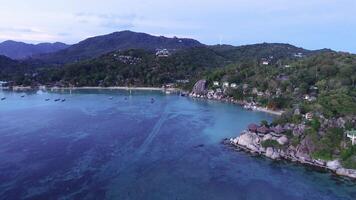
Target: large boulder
(282,140)
(272,153)
(346,172)
(267,137)
(333,165)
(200,88)
(249,140)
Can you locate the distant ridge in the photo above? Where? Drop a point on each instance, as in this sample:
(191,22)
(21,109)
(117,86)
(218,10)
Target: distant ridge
(21,50)
(124,40)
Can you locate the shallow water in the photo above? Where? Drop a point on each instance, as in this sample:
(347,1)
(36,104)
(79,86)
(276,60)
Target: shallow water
(94,147)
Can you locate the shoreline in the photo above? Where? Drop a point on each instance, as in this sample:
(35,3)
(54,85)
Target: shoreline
(243,104)
(93,87)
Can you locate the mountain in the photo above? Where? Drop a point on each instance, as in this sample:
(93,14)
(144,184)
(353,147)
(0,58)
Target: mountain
(21,50)
(124,40)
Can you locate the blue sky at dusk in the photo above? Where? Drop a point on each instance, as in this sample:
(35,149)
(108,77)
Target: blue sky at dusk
(312,24)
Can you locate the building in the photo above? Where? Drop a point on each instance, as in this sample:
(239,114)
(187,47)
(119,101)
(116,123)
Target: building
(226,84)
(309,98)
(309,116)
(162,53)
(352,136)
(183,81)
(2,83)
(265,62)
(216,83)
(233,85)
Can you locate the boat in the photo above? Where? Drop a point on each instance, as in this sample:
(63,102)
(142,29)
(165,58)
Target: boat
(2,99)
(63,100)
(110,98)
(57,99)
(22,96)
(47,99)
(152,100)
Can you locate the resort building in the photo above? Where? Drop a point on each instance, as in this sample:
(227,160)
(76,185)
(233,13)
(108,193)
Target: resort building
(233,85)
(226,84)
(309,116)
(162,53)
(352,136)
(216,83)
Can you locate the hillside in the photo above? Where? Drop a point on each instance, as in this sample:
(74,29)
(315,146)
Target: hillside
(124,40)
(317,94)
(11,70)
(188,63)
(21,50)
(271,52)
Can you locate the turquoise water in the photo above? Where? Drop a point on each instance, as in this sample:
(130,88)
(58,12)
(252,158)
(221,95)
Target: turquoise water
(94,147)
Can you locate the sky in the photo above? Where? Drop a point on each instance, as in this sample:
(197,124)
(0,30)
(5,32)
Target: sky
(311,24)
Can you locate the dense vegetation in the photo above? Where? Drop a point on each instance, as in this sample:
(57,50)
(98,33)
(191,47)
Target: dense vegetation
(124,40)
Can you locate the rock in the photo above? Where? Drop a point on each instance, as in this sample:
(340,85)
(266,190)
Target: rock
(272,153)
(267,137)
(319,162)
(234,140)
(249,140)
(333,165)
(297,111)
(282,140)
(346,172)
(200,88)
(298,130)
(305,148)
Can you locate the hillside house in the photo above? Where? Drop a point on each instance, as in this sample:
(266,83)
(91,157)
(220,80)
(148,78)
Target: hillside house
(226,84)
(309,98)
(309,116)
(352,136)
(233,85)
(216,83)
(162,53)
(265,62)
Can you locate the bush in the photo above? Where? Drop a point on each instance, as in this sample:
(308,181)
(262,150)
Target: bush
(271,143)
(322,154)
(348,157)
(314,124)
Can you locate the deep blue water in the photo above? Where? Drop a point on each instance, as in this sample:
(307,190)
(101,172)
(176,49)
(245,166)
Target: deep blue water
(92,147)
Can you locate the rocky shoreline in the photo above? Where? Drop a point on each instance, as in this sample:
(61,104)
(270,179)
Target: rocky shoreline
(243,104)
(251,142)
(200,91)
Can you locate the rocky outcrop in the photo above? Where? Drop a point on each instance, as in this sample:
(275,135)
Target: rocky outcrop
(199,88)
(251,142)
(272,153)
(333,165)
(282,140)
(346,172)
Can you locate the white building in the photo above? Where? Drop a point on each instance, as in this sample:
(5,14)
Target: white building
(352,136)
(309,116)
(265,63)
(233,85)
(216,83)
(162,53)
(226,84)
